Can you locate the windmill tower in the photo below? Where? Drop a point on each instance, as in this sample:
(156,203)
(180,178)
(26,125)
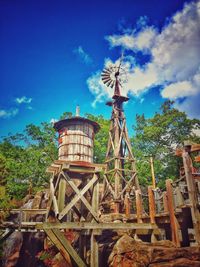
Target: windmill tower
(120,179)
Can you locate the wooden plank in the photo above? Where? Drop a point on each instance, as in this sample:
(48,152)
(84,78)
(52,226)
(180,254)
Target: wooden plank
(95,226)
(61,194)
(165,204)
(139,208)
(152,205)
(94,257)
(173,220)
(64,246)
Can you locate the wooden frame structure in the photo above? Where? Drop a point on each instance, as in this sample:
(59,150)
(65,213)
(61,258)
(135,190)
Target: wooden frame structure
(120,176)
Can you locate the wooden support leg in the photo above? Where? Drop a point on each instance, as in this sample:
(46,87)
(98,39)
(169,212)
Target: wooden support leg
(94,259)
(64,246)
(173,220)
(152,210)
(61,194)
(139,208)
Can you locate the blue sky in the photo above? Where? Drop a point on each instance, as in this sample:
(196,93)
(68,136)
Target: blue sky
(52,53)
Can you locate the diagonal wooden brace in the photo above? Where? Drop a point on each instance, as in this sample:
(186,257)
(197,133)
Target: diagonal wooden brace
(79,196)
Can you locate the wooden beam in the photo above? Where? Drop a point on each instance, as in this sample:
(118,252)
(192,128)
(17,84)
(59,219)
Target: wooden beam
(187,162)
(173,220)
(64,246)
(152,205)
(95,226)
(61,194)
(139,208)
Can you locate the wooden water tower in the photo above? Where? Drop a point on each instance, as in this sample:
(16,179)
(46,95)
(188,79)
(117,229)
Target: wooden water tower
(76,138)
(74,188)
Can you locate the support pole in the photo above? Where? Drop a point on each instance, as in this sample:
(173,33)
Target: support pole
(139,208)
(152,205)
(173,220)
(152,173)
(94,260)
(187,162)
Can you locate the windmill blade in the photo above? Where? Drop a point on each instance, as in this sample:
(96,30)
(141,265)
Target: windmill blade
(107,71)
(105,75)
(106,80)
(112,85)
(109,83)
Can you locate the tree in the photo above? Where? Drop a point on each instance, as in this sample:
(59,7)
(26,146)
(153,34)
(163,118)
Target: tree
(101,138)
(158,137)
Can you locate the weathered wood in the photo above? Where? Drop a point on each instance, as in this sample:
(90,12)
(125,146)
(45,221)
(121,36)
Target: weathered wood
(152,205)
(165,203)
(52,194)
(79,195)
(139,208)
(64,246)
(95,226)
(152,173)
(61,194)
(173,220)
(94,257)
(192,194)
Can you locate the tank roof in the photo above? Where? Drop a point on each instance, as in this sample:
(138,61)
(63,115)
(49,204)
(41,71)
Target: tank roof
(62,123)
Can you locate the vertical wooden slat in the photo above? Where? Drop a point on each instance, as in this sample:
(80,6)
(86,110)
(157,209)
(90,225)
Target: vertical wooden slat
(61,194)
(94,260)
(152,206)
(173,220)
(139,208)
(165,204)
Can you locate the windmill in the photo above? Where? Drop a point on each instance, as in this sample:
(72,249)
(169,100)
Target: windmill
(120,177)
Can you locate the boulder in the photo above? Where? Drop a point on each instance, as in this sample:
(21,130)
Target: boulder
(129,252)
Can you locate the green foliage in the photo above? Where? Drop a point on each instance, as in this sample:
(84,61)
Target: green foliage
(24,157)
(158,137)
(101,138)
(27,157)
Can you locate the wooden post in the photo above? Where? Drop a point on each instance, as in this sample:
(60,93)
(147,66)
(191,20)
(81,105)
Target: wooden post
(61,194)
(152,206)
(94,258)
(127,205)
(165,203)
(139,208)
(152,173)
(192,194)
(173,220)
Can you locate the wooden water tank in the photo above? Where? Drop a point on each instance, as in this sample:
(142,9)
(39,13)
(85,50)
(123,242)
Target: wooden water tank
(76,139)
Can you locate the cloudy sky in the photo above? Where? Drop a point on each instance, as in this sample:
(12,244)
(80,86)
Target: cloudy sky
(52,54)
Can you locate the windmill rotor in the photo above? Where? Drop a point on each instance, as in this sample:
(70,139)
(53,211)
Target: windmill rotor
(112,73)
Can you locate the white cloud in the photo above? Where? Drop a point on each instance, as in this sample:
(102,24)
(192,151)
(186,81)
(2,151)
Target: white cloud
(179,90)
(174,59)
(23,99)
(84,57)
(8,113)
(143,40)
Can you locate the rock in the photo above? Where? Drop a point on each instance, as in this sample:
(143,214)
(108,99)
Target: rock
(182,262)
(128,252)
(11,249)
